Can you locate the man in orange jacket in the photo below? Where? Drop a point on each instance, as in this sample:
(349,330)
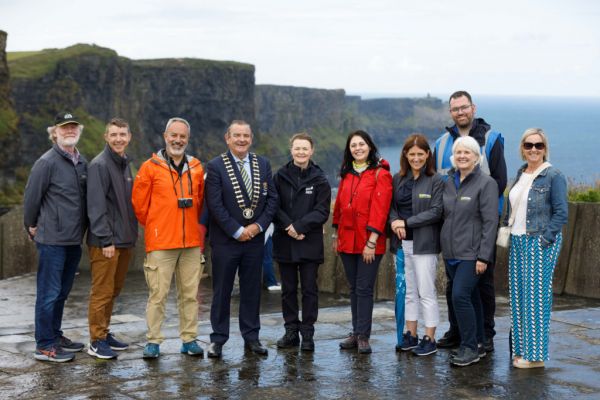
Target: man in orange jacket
(167,198)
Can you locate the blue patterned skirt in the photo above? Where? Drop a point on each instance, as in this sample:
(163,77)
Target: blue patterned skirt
(530,271)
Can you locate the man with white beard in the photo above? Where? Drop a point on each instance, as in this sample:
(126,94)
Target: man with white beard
(167,199)
(55,218)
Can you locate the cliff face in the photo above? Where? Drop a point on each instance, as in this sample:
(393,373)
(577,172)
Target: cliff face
(97,84)
(9,139)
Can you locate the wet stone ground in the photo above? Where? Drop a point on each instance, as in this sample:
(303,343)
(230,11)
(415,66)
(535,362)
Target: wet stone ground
(328,373)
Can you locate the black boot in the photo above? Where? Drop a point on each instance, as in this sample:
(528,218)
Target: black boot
(308,344)
(289,339)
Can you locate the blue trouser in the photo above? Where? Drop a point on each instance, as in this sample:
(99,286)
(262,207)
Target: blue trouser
(269,278)
(361,279)
(243,258)
(466,301)
(400,295)
(56,271)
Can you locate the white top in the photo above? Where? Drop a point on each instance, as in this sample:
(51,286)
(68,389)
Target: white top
(519,191)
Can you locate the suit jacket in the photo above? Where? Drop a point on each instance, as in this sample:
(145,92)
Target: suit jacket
(225,215)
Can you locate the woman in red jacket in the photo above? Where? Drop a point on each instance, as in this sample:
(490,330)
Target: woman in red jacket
(359,217)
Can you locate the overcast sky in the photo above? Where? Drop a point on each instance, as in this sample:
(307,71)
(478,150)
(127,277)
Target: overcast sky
(509,47)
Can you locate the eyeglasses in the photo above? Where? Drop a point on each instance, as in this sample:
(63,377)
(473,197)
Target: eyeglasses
(538,145)
(456,110)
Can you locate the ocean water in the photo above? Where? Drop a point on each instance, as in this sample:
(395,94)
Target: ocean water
(572,126)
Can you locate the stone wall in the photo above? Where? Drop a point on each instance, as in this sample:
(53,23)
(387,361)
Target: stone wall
(577,272)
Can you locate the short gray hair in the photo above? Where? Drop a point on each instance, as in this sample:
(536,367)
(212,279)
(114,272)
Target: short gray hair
(468,143)
(52,129)
(178,119)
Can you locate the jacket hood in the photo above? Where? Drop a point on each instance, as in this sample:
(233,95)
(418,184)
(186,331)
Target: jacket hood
(160,157)
(289,171)
(478,130)
(383,164)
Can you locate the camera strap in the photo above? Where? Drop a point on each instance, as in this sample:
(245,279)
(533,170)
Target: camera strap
(247,212)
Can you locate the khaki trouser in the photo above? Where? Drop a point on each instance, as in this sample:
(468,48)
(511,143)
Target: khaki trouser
(159,267)
(108,278)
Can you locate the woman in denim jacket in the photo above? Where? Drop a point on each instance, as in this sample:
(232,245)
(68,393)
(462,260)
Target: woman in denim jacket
(539,208)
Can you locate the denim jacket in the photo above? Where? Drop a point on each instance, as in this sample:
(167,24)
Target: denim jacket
(547,206)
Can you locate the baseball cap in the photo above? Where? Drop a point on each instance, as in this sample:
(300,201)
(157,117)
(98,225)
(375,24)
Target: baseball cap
(64,118)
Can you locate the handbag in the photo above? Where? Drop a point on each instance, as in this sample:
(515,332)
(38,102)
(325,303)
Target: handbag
(503,237)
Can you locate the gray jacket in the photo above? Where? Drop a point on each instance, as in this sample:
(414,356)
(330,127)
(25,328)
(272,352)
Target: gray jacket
(470,217)
(427,210)
(112,220)
(55,198)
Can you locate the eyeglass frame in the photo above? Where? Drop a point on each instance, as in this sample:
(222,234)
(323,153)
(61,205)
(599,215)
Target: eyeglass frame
(456,110)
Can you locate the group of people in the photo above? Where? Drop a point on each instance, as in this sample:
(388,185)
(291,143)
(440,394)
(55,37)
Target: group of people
(447,199)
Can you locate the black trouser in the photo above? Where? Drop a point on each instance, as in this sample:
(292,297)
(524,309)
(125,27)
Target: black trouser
(487,294)
(289,295)
(226,259)
(361,279)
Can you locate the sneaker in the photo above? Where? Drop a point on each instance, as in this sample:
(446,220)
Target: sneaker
(53,354)
(363,345)
(481,350)
(115,344)
(351,342)
(151,350)
(101,349)
(274,288)
(192,348)
(409,342)
(449,340)
(70,346)
(465,356)
(426,347)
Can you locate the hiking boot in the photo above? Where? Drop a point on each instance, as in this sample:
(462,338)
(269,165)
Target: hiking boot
(363,345)
(449,340)
(69,346)
(409,342)
(53,354)
(101,349)
(115,344)
(191,348)
(465,356)
(289,339)
(151,350)
(351,342)
(426,347)
(308,344)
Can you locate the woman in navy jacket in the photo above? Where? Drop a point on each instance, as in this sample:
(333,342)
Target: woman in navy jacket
(304,204)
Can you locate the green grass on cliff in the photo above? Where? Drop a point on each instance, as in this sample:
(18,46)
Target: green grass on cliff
(36,64)
(191,63)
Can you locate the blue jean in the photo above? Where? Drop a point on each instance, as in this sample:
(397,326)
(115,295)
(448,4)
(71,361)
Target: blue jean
(466,302)
(56,271)
(269,278)
(361,279)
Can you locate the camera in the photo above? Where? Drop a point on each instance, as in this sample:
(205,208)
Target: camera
(185,202)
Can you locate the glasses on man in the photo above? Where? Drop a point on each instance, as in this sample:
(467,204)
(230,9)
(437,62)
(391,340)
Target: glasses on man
(456,110)
(538,145)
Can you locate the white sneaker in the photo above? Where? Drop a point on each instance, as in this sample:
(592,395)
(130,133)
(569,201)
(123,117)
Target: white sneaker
(274,288)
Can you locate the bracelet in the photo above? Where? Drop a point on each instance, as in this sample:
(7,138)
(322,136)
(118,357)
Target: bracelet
(373,243)
(369,247)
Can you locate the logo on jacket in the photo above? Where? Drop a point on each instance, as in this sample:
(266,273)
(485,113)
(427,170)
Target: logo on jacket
(309,190)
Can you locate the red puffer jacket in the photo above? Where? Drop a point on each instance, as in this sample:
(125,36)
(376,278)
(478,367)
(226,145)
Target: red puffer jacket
(362,205)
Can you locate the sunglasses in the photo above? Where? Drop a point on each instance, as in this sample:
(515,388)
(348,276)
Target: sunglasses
(538,145)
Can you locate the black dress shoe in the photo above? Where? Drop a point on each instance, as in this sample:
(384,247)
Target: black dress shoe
(215,350)
(256,347)
(449,340)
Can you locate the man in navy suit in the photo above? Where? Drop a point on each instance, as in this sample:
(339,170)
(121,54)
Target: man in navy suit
(241,201)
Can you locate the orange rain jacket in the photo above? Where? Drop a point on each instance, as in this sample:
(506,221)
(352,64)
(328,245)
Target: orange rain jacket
(156,191)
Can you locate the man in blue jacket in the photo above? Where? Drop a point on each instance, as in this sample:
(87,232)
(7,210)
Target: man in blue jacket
(462,110)
(242,202)
(55,218)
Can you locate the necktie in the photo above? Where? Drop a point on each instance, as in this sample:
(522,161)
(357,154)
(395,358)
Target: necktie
(245,178)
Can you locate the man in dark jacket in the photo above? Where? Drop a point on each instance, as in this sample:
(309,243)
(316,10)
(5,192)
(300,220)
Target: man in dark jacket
(112,235)
(55,218)
(462,111)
